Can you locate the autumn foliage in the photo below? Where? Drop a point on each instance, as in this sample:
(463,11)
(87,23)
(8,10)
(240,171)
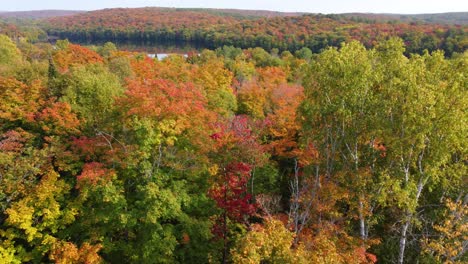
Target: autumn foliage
(351,155)
(74,55)
(290,32)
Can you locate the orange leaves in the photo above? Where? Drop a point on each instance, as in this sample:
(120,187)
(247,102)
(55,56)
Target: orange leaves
(306,154)
(144,69)
(284,126)
(161,113)
(271,76)
(163,99)
(57,118)
(74,55)
(332,245)
(19,101)
(67,252)
(380,147)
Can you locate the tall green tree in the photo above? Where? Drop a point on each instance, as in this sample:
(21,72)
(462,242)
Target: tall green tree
(423,124)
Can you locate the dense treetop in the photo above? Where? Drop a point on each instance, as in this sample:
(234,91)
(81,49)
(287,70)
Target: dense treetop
(355,154)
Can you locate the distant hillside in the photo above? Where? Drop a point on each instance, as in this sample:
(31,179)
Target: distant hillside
(38,14)
(446,18)
(459,18)
(240,13)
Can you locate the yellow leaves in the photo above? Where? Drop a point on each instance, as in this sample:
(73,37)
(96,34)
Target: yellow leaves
(9,53)
(252,99)
(243,70)
(271,243)
(213,170)
(169,129)
(21,215)
(48,240)
(331,244)
(37,216)
(452,234)
(7,255)
(214,76)
(216,83)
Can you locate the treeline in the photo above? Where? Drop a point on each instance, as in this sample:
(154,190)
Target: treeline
(453,18)
(215,29)
(352,155)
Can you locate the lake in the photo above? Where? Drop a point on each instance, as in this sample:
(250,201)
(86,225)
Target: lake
(153,48)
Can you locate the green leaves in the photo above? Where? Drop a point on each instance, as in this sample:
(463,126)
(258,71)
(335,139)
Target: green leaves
(147,166)
(9,53)
(392,124)
(91,91)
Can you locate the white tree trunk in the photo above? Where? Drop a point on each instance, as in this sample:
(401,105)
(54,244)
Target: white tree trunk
(362,221)
(404,228)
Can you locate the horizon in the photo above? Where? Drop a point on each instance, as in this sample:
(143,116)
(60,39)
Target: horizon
(213,8)
(292,6)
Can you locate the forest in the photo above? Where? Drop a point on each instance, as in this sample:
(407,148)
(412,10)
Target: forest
(268,30)
(274,151)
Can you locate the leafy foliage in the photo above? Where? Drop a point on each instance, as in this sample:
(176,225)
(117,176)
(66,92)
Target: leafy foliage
(292,32)
(352,155)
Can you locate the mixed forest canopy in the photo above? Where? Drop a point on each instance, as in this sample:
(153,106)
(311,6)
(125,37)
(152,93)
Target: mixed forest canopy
(213,28)
(350,151)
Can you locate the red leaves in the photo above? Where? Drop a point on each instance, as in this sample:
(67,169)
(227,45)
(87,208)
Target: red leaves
(231,195)
(236,139)
(216,136)
(94,173)
(13,140)
(90,148)
(237,145)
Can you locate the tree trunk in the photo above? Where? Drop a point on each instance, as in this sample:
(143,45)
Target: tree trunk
(404,230)
(362,222)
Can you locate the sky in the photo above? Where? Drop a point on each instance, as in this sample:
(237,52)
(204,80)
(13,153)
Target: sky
(312,6)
